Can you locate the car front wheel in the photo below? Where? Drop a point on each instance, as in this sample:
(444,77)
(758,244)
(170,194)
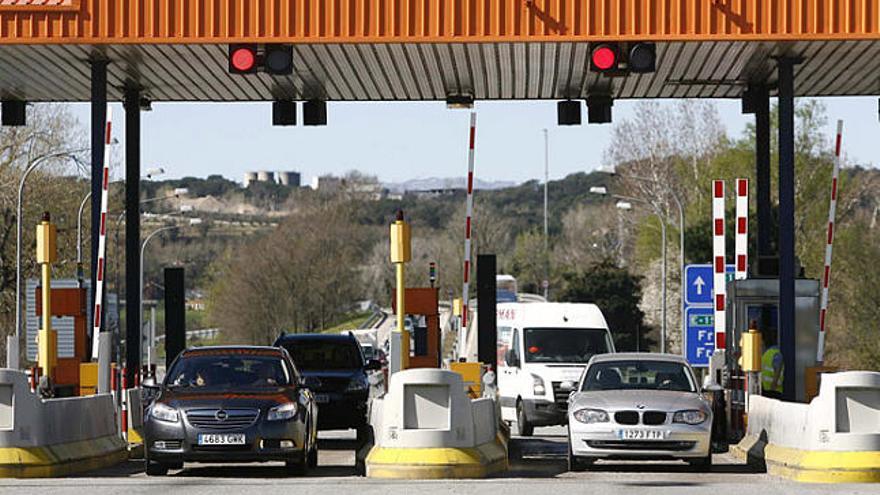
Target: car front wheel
(576,464)
(523,427)
(155,468)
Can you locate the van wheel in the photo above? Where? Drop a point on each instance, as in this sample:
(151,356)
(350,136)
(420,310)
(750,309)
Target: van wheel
(523,427)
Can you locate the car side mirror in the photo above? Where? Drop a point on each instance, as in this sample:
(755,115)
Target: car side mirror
(510,357)
(373,365)
(150,383)
(311,383)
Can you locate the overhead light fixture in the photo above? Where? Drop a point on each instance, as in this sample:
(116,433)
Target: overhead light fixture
(599,109)
(315,112)
(624,205)
(568,112)
(458,102)
(13,113)
(284,113)
(599,190)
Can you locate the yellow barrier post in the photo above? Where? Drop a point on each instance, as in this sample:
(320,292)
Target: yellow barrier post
(46,255)
(401,253)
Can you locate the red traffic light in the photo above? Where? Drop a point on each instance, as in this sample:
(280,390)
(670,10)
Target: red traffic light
(242,59)
(604,57)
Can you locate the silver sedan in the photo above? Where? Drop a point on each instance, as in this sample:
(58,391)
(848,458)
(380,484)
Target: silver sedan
(638,406)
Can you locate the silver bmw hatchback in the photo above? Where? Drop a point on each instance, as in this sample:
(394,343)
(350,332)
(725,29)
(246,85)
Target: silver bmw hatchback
(638,406)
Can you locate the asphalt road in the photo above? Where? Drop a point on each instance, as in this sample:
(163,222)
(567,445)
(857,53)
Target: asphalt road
(537,468)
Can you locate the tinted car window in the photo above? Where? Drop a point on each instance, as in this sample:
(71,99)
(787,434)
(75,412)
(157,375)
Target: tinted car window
(563,345)
(324,355)
(228,370)
(639,375)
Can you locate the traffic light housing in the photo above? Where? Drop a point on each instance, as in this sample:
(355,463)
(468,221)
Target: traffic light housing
(243,59)
(621,58)
(249,58)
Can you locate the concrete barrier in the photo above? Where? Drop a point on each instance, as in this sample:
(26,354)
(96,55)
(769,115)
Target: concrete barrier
(426,427)
(55,437)
(834,438)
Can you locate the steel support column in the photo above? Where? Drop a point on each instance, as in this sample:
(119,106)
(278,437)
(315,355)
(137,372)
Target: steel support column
(761,102)
(133,323)
(786,225)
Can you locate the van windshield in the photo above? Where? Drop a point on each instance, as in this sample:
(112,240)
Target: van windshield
(563,345)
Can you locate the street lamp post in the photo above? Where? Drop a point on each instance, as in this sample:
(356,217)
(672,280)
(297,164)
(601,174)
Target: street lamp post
(625,204)
(79,220)
(546,225)
(193,221)
(662,220)
(13,348)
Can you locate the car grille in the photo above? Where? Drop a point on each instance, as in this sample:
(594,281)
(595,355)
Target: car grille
(650,418)
(560,397)
(333,384)
(653,417)
(627,417)
(235,418)
(640,445)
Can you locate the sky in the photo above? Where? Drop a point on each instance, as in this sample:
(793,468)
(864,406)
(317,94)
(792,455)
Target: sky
(402,141)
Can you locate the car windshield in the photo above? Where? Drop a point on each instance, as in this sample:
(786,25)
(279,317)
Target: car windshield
(563,345)
(324,355)
(639,374)
(228,370)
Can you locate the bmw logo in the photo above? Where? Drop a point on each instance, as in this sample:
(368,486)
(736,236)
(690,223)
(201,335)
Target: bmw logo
(640,406)
(221,415)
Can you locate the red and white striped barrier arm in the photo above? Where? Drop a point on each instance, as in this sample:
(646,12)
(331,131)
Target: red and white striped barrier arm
(718,262)
(829,240)
(102,240)
(468,228)
(742,229)
(123,415)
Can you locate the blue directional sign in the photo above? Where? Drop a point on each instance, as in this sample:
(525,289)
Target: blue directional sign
(700,280)
(699,313)
(699,335)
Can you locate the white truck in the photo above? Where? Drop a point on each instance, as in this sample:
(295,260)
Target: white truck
(542,351)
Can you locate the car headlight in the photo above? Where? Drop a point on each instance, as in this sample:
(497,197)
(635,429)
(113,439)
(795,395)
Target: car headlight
(590,416)
(164,413)
(282,412)
(358,384)
(691,417)
(538,385)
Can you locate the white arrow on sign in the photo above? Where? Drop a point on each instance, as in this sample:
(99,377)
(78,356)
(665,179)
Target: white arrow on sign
(699,283)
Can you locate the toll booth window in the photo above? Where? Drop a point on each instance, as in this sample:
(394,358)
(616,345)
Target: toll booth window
(563,345)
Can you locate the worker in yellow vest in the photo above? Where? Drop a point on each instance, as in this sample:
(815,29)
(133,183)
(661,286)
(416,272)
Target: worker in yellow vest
(771,367)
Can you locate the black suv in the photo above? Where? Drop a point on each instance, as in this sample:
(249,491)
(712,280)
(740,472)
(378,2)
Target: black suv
(337,371)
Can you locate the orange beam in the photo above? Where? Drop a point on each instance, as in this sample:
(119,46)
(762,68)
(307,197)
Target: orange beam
(377,21)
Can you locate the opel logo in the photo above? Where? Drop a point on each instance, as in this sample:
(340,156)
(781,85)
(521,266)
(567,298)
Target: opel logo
(221,415)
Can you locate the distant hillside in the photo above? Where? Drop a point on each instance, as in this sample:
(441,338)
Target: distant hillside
(431,183)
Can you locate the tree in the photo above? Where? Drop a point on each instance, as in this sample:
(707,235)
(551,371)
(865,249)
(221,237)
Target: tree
(51,129)
(617,292)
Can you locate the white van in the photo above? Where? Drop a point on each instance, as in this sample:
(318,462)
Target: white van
(542,351)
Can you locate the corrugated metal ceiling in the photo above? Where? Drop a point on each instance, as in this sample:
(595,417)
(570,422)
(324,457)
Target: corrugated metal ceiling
(431,71)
